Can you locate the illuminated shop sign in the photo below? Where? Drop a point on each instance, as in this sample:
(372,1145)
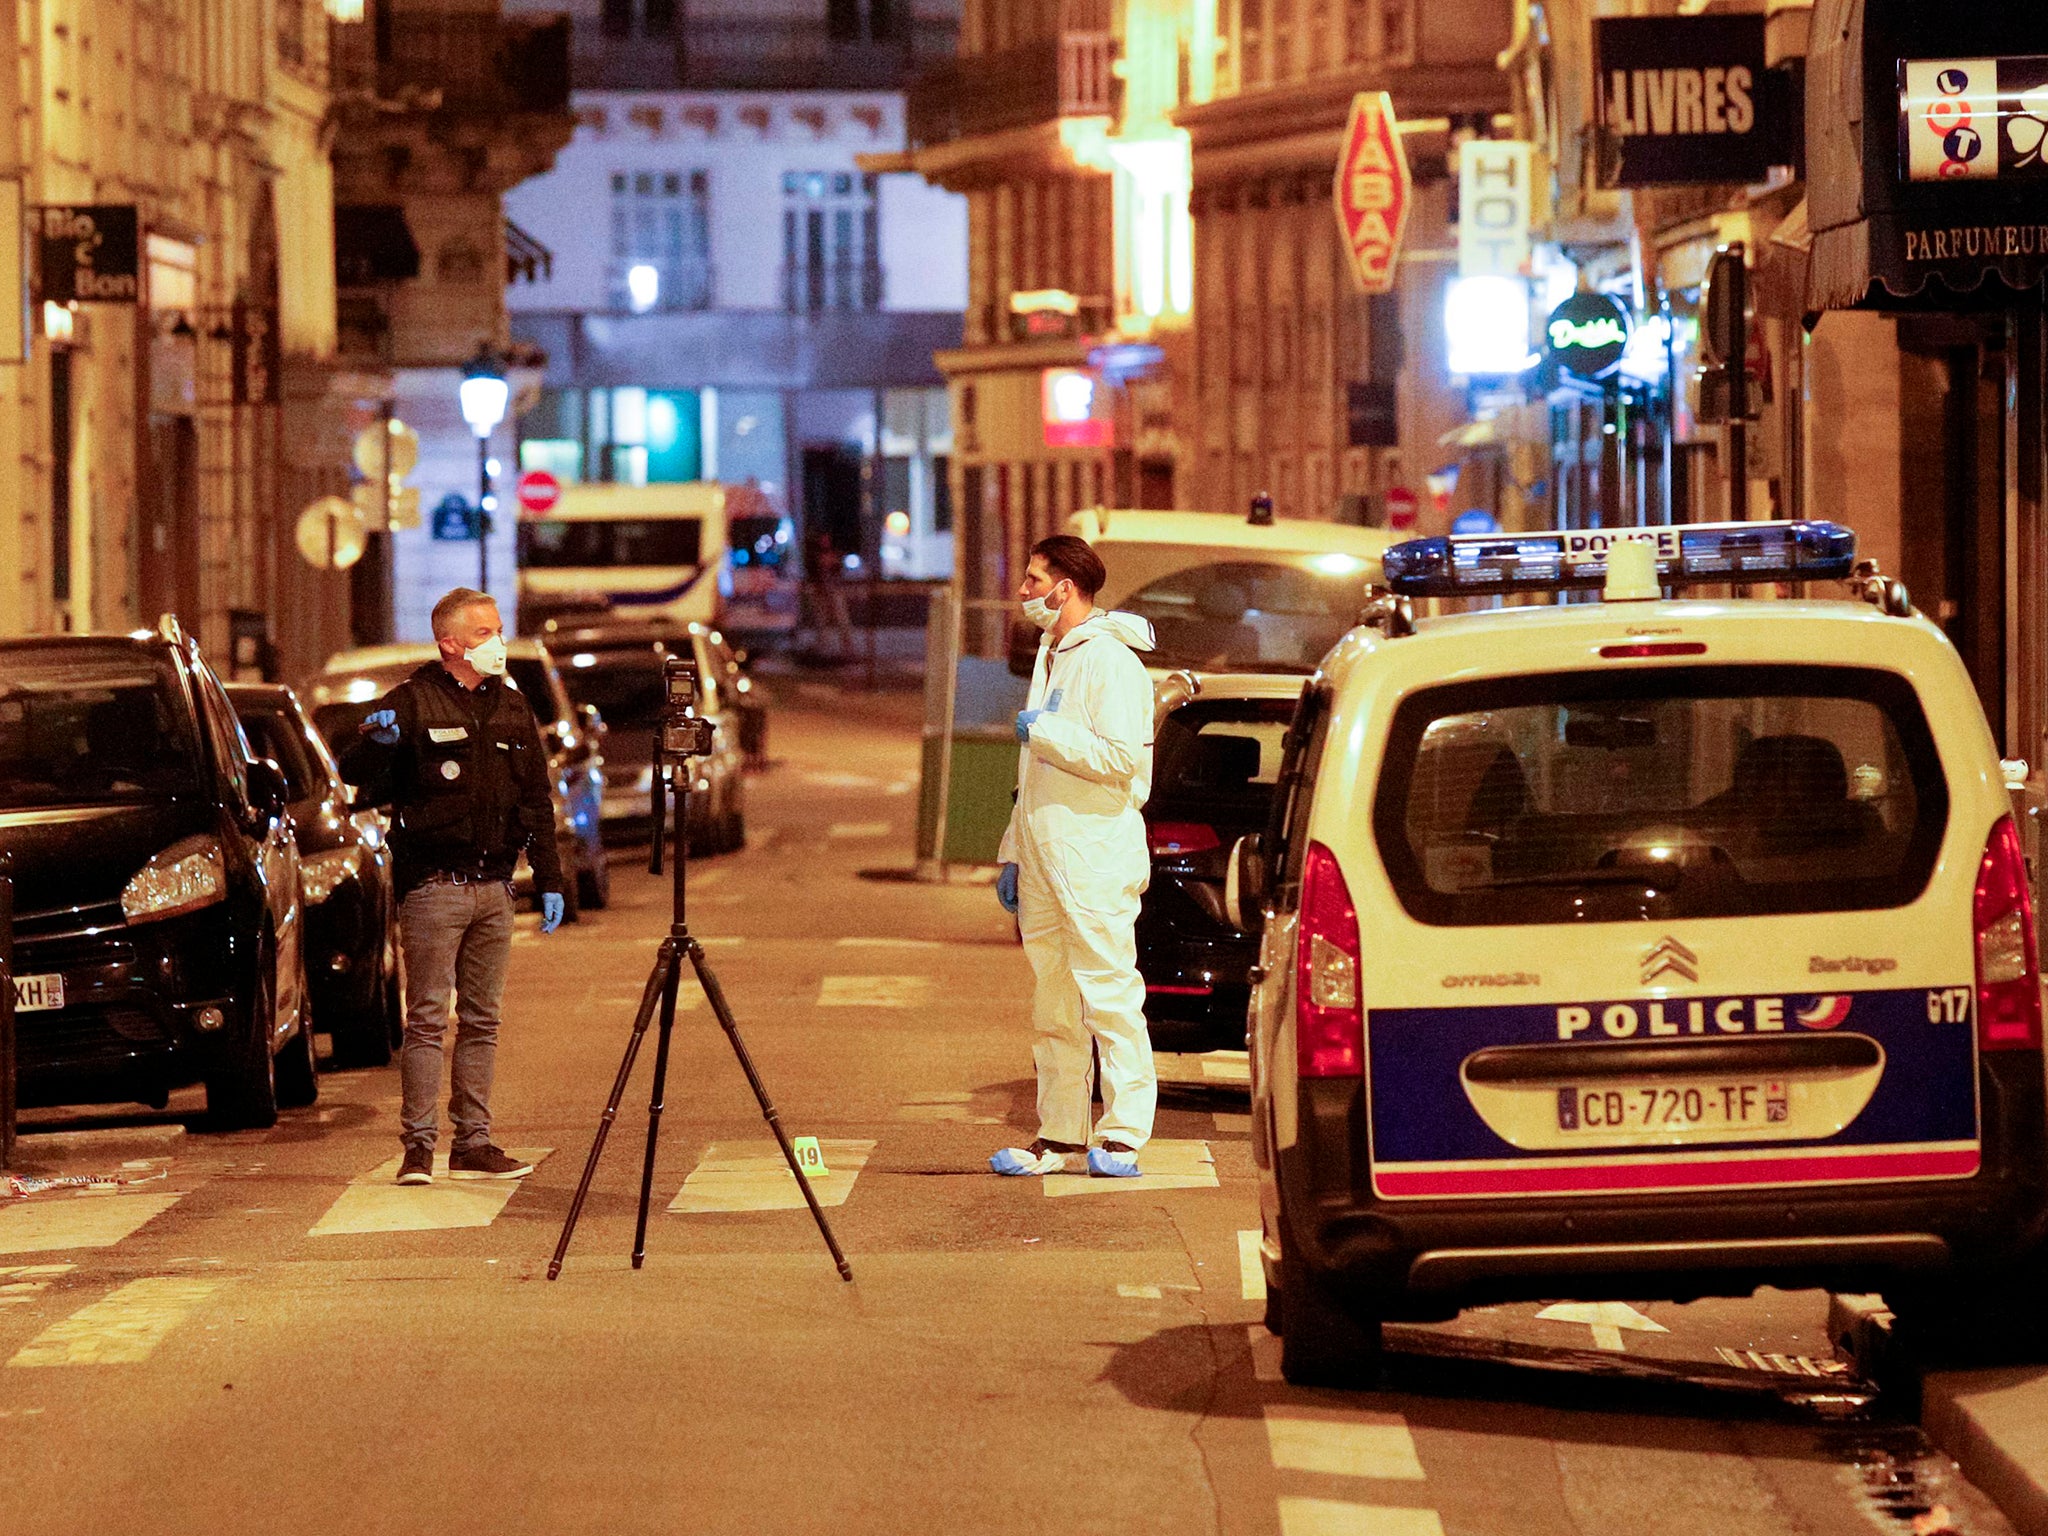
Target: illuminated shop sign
(1075,409)
(1372,191)
(1685,99)
(1973,119)
(1587,334)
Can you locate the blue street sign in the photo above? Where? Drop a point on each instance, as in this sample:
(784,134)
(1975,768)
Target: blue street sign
(1474,521)
(454,519)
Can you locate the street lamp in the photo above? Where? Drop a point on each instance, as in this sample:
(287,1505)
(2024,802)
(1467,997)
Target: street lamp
(484,395)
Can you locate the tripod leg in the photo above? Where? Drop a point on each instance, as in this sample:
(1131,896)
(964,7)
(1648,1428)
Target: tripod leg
(716,994)
(661,1043)
(660,983)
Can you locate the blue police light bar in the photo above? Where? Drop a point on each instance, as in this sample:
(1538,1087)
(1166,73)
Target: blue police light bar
(1727,554)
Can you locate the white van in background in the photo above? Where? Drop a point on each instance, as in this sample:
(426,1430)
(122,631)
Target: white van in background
(633,551)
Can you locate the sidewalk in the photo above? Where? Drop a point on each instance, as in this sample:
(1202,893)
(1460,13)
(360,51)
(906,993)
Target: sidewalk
(1995,1424)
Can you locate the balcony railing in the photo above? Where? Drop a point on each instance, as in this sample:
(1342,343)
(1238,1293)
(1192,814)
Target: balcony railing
(474,64)
(852,285)
(1068,75)
(683,285)
(726,53)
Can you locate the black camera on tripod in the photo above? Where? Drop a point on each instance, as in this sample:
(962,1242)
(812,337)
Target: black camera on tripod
(684,733)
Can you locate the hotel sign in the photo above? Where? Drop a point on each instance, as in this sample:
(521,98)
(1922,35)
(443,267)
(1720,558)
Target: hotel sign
(1373,191)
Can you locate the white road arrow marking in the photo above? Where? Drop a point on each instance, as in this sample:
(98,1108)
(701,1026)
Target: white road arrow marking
(1605,1318)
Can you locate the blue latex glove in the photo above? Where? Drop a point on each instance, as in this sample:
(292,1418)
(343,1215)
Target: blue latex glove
(550,911)
(1026,716)
(1006,889)
(382,727)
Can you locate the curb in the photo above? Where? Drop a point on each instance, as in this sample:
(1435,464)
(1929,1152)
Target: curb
(1995,1424)
(35,1150)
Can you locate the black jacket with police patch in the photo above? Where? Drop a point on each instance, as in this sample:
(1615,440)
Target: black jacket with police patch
(467,780)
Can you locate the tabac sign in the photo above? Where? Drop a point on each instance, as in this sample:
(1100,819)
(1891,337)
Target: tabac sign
(1372,191)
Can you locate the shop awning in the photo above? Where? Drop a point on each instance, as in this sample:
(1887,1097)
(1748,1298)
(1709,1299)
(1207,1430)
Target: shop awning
(372,244)
(1880,239)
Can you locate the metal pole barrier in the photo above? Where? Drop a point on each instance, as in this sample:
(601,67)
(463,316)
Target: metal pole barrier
(7,1100)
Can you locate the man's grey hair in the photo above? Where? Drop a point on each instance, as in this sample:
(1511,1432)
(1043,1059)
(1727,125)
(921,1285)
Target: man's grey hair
(453,604)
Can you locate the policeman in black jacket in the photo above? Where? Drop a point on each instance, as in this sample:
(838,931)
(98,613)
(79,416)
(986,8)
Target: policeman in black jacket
(457,753)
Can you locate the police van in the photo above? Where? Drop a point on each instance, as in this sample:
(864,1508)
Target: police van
(1637,947)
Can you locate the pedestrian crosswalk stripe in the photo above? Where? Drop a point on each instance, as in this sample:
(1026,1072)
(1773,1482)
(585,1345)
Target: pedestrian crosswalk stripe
(946,1109)
(874,991)
(1265,1353)
(377,1202)
(1251,1273)
(97,1220)
(752,1176)
(1343,1443)
(122,1328)
(1333,1517)
(1162,1165)
(21,1283)
(1231,1124)
(889,944)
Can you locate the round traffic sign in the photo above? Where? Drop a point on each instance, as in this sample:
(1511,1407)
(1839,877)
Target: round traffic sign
(538,491)
(330,534)
(1401,508)
(397,454)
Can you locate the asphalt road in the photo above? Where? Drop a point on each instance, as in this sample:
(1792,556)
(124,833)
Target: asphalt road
(271,1337)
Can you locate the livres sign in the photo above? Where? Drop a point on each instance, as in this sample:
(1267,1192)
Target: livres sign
(1372,191)
(90,253)
(1683,99)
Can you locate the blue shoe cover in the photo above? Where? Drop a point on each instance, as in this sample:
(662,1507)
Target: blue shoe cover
(1104,1164)
(1022,1162)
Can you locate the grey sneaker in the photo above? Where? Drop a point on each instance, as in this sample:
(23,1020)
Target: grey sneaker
(486,1162)
(418,1167)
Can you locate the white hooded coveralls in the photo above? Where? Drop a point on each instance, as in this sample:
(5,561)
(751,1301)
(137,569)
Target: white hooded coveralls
(1078,840)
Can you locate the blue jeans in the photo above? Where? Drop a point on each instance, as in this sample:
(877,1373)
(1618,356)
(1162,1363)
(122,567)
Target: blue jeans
(457,940)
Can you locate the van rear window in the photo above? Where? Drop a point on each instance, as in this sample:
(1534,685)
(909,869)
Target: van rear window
(1660,793)
(555,543)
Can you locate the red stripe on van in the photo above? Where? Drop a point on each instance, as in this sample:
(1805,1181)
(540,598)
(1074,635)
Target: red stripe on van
(1672,1174)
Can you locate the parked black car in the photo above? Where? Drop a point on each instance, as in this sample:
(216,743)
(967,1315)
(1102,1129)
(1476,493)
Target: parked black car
(158,937)
(616,668)
(1214,763)
(345,884)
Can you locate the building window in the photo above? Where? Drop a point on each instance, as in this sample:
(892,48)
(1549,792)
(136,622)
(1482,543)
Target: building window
(657,18)
(661,240)
(616,18)
(291,32)
(864,21)
(831,246)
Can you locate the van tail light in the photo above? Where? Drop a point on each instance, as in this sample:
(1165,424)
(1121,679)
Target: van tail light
(2008,976)
(1329,1027)
(1176,839)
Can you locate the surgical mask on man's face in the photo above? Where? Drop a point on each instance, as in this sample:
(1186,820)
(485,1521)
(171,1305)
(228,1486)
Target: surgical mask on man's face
(1042,611)
(488,657)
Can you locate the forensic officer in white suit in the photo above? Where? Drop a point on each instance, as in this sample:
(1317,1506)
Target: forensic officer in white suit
(1075,863)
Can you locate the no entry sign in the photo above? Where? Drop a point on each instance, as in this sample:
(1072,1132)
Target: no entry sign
(538,492)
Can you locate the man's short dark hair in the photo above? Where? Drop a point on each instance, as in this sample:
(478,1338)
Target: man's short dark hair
(1073,559)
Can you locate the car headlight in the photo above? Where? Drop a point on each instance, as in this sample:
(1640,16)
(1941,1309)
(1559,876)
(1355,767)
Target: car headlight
(186,876)
(322,874)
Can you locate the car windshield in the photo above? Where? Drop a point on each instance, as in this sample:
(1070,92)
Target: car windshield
(276,735)
(1216,762)
(555,543)
(1249,616)
(625,685)
(92,725)
(1667,792)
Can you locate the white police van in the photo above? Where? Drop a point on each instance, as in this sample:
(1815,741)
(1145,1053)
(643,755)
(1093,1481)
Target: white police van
(1637,947)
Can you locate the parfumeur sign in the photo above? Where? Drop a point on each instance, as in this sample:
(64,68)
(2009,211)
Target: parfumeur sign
(1684,99)
(1372,191)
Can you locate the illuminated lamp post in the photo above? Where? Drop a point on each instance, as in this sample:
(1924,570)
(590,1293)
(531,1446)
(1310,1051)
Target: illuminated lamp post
(484,395)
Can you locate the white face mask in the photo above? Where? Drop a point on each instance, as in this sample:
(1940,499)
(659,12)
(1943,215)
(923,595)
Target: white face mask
(489,657)
(1042,611)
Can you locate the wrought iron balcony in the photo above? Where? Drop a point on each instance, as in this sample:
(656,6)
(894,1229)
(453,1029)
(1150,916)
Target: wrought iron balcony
(470,64)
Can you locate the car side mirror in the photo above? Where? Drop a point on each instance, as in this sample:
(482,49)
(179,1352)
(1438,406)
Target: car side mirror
(1023,650)
(1244,884)
(268,792)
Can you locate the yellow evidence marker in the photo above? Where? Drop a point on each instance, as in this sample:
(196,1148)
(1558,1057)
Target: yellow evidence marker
(809,1157)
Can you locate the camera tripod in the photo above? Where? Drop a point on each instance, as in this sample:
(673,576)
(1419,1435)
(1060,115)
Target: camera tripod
(660,996)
